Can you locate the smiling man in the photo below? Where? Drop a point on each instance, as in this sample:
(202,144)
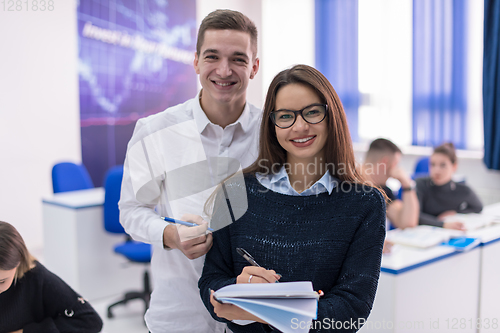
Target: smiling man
(175,159)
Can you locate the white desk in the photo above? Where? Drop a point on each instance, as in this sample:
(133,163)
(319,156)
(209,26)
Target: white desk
(80,251)
(489,293)
(439,290)
(428,290)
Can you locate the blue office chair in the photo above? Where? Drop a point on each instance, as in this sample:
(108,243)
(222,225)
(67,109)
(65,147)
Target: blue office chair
(134,251)
(67,176)
(422,168)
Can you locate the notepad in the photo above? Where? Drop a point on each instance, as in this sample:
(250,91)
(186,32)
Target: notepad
(463,244)
(279,304)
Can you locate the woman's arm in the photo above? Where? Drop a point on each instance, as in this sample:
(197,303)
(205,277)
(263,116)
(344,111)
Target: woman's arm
(64,309)
(351,299)
(474,204)
(428,219)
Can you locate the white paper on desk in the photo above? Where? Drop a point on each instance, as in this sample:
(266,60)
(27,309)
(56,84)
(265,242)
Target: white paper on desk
(472,221)
(422,236)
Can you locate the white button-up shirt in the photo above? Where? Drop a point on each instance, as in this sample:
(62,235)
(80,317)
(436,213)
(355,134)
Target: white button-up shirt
(174,161)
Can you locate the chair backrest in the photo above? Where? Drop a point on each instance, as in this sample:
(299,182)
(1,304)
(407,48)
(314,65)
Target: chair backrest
(67,176)
(112,189)
(422,166)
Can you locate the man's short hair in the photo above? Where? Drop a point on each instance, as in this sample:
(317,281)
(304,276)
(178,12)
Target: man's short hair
(382,147)
(225,19)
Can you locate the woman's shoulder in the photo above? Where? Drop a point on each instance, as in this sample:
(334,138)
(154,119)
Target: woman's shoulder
(464,188)
(361,193)
(37,272)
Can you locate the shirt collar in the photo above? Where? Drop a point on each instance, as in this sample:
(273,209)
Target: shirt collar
(200,117)
(327,181)
(202,120)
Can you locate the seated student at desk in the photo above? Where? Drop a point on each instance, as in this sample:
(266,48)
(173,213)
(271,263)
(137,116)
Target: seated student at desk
(32,299)
(440,196)
(310,216)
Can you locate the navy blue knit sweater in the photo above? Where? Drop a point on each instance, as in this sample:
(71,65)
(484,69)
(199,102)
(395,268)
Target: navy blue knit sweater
(334,240)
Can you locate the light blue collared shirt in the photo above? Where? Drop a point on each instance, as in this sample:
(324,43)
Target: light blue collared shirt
(279,182)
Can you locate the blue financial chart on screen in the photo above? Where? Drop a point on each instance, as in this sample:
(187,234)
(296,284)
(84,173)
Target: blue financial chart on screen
(135,58)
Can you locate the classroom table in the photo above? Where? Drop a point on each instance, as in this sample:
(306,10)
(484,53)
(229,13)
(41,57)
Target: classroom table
(80,251)
(489,292)
(425,290)
(439,289)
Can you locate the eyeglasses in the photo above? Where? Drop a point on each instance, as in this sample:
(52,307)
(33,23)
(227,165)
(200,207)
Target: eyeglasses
(312,114)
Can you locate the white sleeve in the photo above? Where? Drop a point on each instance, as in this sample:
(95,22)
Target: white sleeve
(141,189)
(153,152)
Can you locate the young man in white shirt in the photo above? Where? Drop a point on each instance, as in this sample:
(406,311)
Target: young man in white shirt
(176,158)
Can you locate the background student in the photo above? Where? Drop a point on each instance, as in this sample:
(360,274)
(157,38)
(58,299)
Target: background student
(32,299)
(197,139)
(307,219)
(381,162)
(440,196)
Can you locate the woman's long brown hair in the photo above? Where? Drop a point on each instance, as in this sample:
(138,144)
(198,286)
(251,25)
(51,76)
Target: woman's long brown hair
(13,251)
(339,154)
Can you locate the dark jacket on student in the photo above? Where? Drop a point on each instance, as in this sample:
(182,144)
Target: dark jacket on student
(41,302)
(435,200)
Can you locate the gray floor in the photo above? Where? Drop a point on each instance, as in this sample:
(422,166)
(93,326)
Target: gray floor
(127,318)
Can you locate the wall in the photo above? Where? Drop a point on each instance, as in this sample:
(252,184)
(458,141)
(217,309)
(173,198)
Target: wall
(287,35)
(39,113)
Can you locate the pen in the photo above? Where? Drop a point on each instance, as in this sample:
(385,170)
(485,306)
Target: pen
(189,224)
(248,257)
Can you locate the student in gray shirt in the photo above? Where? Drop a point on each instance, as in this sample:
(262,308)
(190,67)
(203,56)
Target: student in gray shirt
(439,196)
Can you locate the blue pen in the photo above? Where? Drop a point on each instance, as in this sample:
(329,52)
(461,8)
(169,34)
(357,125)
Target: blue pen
(189,224)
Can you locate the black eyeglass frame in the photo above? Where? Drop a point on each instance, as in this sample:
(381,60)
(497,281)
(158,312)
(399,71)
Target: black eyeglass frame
(272,115)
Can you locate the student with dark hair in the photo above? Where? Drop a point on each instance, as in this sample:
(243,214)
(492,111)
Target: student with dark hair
(32,299)
(381,162)
(310,216)
(217,125)
(440,196)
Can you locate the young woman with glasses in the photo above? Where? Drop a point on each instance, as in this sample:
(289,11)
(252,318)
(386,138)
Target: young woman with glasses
(310,216)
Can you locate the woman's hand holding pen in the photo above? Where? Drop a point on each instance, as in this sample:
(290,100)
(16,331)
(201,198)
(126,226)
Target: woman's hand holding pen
(254,274)
(192,241)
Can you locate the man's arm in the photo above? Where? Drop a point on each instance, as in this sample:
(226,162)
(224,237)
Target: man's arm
(140,193)
(404,213)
